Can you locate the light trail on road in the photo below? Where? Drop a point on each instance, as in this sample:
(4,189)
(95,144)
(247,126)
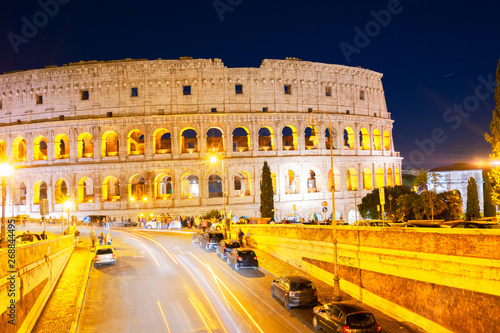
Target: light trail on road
(163,315)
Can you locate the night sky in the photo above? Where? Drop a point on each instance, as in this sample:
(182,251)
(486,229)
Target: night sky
(438,58)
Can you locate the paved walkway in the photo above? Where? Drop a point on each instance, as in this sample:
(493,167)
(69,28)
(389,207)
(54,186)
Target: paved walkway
(62,308)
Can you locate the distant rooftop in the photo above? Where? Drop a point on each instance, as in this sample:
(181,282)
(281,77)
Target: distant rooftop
(459,167)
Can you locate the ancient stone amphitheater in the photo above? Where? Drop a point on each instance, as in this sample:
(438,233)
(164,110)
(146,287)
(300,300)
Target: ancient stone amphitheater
(130,137)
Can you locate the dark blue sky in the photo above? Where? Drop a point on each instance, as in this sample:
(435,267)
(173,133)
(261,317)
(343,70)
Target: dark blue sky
(437,57)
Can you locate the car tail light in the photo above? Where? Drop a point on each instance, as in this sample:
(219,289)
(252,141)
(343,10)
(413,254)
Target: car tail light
(239,258)
(378,328)
(255,258)
(95,257)
(315,293)
(113,255)
(292,294)
(224,247)
(347,329)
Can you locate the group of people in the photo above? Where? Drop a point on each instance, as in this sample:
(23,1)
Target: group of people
(103,239)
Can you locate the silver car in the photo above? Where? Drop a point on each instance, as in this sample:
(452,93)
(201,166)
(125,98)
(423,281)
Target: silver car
(104,255)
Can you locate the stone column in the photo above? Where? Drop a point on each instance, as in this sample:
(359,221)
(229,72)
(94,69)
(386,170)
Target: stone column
(73,138)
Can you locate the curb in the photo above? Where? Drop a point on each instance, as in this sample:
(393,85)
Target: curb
(81,297)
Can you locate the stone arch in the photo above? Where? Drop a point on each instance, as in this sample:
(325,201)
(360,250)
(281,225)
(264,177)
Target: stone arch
(367,179)
(387,140)
(266,138)
(162,141)
(3,150)
(292,182)
(61,147)
(313,182)
(110,146)
(19,149)
(85,190)
(364,139)
(163,186)
(189,140)
(215,140)
(352,179)
(330,139)
(22,193)
(110,189)
(390,181)
(137,188)
(190,186)
(334,179)
(241,139)
(348,138)
(379,178)
(242,184)
(61,191)
(311,137)
(85,145)
(39,191)
(376,139)
(40,148)
(289,137)
(398,179)
(135,142)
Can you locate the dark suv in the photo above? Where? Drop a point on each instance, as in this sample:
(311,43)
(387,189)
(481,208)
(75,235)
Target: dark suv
(294,290)
(225,246)
(344,316)
(242,258)
(210,239)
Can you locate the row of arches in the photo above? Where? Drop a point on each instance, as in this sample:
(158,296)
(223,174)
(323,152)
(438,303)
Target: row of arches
(189,142)
(163,185)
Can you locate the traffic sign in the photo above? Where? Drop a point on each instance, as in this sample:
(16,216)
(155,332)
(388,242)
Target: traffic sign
(324,203)
(235,219)
(325,209)
(86,219)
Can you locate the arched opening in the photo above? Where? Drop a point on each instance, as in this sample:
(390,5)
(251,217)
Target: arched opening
(292,182)
(352,180)
(387,140)
(215,142)
(214,186)
(40,148)
(163,187)
(289,136)
(190,186)
(348,138)
(3,150)
(313,182)
(189,141)
(379,177)
(311,137)
(273,179)
(85,190)
(398,179)
(334,180)
(241,139)
(330,138)
(110,189)
(61,191)
(162,141)
(137,188)
(61,147)
(110,145)
(242,184)
(390,181)
(376,139)
(22,194)
(266,139)
(39,191)
(367,179)
(85,145)
(19,150)
(135,143)
(364,139)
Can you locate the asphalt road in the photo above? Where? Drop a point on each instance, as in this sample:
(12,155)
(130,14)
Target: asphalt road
(162,283)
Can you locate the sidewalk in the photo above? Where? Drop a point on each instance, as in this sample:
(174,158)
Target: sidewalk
(63,307)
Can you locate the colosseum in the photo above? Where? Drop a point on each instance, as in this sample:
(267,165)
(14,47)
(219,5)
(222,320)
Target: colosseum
(131,137)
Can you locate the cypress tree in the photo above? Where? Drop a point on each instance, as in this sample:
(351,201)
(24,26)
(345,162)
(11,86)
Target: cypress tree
(489,207)
(472,212)
(494,140)
(266,193)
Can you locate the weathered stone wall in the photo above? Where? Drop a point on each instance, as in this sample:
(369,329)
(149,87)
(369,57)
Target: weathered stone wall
(38,267)
(442,280)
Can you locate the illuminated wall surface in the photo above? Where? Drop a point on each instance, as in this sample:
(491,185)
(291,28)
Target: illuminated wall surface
(104,133)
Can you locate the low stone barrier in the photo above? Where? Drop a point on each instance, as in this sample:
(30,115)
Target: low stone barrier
(26,286)
(439,279)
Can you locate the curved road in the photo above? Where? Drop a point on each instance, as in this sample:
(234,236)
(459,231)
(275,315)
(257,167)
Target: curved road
(162,283)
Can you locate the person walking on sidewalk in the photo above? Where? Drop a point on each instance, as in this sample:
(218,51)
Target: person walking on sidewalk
(240,237)
(93,238)
(101,238)
(108,239)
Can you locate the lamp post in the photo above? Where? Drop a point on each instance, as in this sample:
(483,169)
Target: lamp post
(5,170)
(336,280)
(67,205)
(213,160)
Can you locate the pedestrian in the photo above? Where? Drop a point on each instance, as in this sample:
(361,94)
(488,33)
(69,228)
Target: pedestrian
(76,237)
(43,235)
(108,239)
(93,238)
(240,237)
(101,238)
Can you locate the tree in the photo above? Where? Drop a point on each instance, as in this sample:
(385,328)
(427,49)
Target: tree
(431,203)
(489,207)
(368,206)
(494,140)
(266,193)
(453,208)
(472,212)
(213,213)
(404,204)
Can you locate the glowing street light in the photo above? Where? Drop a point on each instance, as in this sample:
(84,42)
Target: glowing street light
(5,171)
(67,205)
(336,280)
(213,159)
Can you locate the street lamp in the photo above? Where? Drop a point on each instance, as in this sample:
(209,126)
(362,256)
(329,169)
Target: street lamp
(5,170)
(213,160)
(336,280)
(67,205)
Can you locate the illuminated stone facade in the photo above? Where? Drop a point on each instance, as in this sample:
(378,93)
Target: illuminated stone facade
(125,137)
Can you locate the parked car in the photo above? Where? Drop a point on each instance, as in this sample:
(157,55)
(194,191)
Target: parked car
(417,225)
(225,246)
(294,290)
(371,223)
(473,225)
(27,238)
(104,254)
(344,316)
(210,239)
(242,258)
